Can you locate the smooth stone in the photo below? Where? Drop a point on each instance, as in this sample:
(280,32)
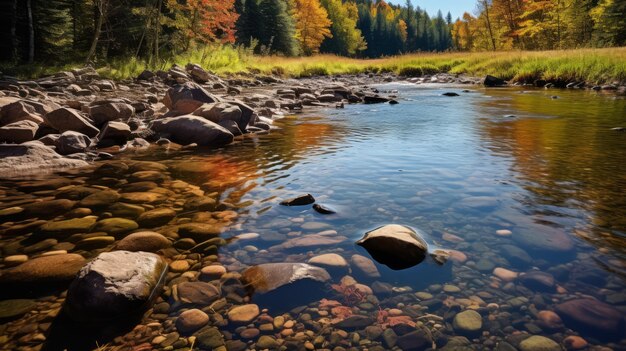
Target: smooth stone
(365,267)
(179,266)
(191,320)
(504,232)
(505,274)
(396,246)
(14,260)
(200,231)
(267,342)
(414,341)
(330,262)
(468,322)
(103,198)
(115,284)
(156,217)
(43,270)
(210,338)
(354,322)
(199,293)
(213,272)
(451,288)
(309,241)
(250,333)
(549,320)
(537,280)
(143,241)
(485,265)
(539,343)
(48,208)
(121,209)
(143,197)
(70,226)
(10,309)
(115,225)
(543,238)
(93,243)
(243,314)
(592,317)
(574,342)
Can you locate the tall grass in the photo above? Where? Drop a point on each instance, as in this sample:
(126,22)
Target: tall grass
(590,65)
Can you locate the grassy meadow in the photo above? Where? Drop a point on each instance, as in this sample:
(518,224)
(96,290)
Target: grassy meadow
(591,65)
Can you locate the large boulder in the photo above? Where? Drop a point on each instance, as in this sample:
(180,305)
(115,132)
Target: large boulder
(115,284)
(218,112)
(32,157)
(187,97)
(72,142)
(188,129)
(285,285)
(588,316)
(65,119)
(18,111)
(18,132)
(110,111)
(491,81)
(43,270)
(114,133)
(396,246)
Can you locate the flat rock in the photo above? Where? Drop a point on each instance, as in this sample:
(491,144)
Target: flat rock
(301,200)
(243,314)
(143,241)
(156,217)
(545,239)
(198,293)
(33,157)
(590,316)
(539,343)
(115,225)
(18,132)
(64,119)
(354,322)
(43,270)
(11,309)
(115,284)
(398,247)
(69,226)
(310,241)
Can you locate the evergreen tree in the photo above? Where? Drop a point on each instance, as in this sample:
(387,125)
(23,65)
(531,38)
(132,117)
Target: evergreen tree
(277,31)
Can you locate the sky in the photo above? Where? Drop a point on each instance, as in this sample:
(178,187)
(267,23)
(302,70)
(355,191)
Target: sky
(456,7)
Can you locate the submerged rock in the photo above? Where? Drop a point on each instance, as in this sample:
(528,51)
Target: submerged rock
(323,209)
(32,157)
(539,343)
(115,284)
(593,317)
(285,285)
(468,322)
(395,246)
(43,270)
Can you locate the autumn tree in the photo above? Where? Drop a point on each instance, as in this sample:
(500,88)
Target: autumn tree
(312,25)
(346,37)
(610,22)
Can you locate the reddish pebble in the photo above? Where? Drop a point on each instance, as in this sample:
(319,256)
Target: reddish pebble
(574,343)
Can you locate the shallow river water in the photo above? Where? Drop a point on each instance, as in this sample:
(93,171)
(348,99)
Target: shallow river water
(526,190)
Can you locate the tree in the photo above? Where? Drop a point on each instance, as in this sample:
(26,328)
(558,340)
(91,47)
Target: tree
(610,22)
(277,30)
(101,8)
(346,38)
(312,25)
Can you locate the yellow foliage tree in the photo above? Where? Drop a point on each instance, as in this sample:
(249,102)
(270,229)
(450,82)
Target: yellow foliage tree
(312,25)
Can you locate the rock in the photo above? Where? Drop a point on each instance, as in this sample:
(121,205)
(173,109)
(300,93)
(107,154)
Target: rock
(505,274)
(12,309)
(213,272)
(72,142)
(267,342)
(114,133)
(18,111)
(414,341)
(468,322)
(219,112)
(198,293)
(210,338)
(323,209)
(187,97)
(516,256)
(537,280)
(42,270)
(115,225)
(143,241)
(243,314)
(310,241)
(331,262)
(115,284)
(364,267)
(283,283)
(592,317)
(179,266)
(100,199)
(68,227)
(301,200)
(396,246)
(33,157)
(451,94)
(93,243)
(45,209)
(549,320)
(187,130)
(191,320)
(65,119)
(374,99)
(110,111)
(354,322)
(574,342)
(544,239)
(199,231)
(156,217)
(539,343)
(491,81)
(18,132)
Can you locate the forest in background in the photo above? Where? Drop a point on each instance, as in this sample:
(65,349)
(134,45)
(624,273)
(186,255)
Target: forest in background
(153,31)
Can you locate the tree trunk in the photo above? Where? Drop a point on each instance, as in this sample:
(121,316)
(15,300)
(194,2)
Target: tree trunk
(31,33)
(156,34)
(14,42)
(100,7)
(493,40)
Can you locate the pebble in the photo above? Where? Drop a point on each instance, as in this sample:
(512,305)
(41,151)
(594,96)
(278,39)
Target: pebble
(574,342)
(468,322)
(14,260)
(243,314)
(505,274)
(504,232)
(208,273)
(179,266)
(539,343)
(191,320)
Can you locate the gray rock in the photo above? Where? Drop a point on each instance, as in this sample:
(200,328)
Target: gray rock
(396,246)
(18,132)
(187,97)
(188,129)
(110,111)
(198,293)
(65,119)
(115,284)
(32,157)
(72,142)
(117,133)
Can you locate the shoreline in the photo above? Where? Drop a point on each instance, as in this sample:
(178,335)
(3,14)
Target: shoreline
(73,118)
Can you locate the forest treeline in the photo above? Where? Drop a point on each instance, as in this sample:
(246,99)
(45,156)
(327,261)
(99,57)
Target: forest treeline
(57,31)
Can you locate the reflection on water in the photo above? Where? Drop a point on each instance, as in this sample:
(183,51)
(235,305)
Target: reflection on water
(510,181)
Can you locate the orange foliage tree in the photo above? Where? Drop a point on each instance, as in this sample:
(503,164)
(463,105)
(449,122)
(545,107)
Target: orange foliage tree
(312,25)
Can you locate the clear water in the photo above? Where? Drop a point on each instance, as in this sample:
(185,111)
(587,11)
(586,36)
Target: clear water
(488,160)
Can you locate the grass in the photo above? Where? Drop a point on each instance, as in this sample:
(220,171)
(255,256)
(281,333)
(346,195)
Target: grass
(595,66)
